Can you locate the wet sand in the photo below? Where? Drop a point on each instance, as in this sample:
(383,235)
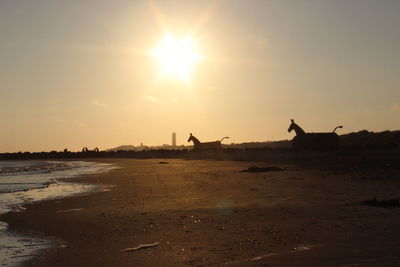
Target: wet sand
(208,212)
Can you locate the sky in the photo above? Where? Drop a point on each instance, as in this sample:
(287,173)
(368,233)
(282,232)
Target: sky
(79,73)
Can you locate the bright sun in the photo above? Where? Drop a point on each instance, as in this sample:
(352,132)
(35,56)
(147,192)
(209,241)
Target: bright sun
(176,58)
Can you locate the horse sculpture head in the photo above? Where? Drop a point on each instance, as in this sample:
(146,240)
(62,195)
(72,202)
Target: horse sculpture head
(196,142)
(194,139)
(190,137)
(296,128)
(291,126)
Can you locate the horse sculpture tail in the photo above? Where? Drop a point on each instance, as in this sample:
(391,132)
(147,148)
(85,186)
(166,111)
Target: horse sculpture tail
(338,127)
(226,137)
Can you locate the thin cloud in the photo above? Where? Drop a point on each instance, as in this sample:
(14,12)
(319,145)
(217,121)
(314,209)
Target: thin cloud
(57,118)
(395,107)
(151,98)
(80,124)
(99,103)
(262,42)
(211,88)
(121,124)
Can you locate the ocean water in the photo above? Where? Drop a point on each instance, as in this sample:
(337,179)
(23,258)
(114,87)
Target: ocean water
(23,182)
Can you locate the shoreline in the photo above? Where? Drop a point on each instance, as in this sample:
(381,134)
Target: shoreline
(39,184)
(208,212)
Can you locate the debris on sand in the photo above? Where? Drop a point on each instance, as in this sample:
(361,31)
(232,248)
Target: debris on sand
(163,162)
(389,203)
(70,210)
(262,169)
(141,246)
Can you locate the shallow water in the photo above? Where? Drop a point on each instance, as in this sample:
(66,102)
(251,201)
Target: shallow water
(20,175)
(16,248)
(23,182)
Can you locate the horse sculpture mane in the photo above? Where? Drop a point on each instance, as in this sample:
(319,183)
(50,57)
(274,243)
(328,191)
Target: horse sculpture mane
(303,140)
(204,146)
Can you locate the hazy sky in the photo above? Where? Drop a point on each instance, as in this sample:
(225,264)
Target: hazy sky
(79,73)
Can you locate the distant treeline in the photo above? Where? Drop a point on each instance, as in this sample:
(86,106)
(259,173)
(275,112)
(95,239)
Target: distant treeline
(151,153)
(357,140)
(247,145)
(366,138)
(267,144)
(92,154)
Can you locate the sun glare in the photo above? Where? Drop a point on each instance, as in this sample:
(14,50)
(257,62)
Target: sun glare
(176,58)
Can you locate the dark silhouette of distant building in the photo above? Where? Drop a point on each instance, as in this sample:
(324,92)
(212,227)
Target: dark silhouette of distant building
(173,139)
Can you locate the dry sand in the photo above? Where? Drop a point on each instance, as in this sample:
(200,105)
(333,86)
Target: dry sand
(208,212)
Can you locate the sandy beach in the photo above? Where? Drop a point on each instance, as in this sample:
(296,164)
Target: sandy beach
(208,212)
(243,133)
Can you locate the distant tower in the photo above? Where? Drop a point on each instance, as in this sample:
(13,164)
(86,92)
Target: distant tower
(173,139)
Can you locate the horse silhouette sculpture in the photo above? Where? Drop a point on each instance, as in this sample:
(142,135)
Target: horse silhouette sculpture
(304,140)
(206,146)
